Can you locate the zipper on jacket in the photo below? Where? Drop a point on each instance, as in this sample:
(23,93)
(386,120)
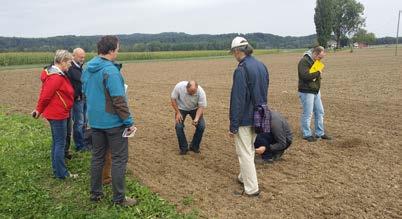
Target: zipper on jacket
(62,100)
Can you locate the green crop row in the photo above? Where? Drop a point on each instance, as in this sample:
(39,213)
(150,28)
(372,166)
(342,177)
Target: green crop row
(31,58)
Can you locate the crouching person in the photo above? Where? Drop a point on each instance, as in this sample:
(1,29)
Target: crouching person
(272,145)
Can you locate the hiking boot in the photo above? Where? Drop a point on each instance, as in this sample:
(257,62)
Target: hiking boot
(310,139)
(95,198)
(325,137)
(127,202)
(183,152)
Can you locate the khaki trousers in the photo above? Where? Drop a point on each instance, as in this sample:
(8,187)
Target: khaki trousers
(244,142)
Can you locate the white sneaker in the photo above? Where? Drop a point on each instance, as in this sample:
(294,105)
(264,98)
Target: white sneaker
(72,175)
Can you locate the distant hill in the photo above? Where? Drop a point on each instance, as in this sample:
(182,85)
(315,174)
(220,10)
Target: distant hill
(170,41)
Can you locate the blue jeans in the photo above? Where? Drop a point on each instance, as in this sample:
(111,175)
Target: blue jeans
(77,127)
(59,133)
(312,104)
(199,130)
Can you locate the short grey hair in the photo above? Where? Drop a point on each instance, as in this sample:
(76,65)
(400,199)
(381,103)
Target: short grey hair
(247,49)
(318,49)
(62,56)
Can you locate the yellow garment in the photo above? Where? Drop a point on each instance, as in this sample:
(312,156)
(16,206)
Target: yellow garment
(317,66)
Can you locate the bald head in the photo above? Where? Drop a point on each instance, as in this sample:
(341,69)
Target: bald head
(79,55)
(192,87)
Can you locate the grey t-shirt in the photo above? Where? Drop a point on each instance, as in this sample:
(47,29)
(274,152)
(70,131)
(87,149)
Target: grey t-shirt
(186,101)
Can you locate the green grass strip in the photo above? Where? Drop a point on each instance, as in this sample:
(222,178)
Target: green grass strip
(28,189)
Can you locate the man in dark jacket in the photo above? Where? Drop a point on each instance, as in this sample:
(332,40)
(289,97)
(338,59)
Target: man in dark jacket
(310,96)
(272,145)
(249,89)
(76,121)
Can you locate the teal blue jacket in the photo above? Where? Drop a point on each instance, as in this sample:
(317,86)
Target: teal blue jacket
(104,92)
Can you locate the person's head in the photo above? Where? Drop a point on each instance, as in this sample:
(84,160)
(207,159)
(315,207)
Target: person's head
(62,59)
(108,47)
(240,48)
(318,53)
(192,87)
(79,55)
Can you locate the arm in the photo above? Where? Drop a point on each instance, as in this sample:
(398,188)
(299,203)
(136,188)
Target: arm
(198,115)
(115,86)
(202,103)
(279,134)
(178,116)
(304,73)
(237,99)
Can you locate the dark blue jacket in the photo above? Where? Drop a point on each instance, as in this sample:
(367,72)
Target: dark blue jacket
(250,88)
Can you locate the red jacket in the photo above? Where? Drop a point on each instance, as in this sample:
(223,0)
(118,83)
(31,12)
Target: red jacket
(57,95)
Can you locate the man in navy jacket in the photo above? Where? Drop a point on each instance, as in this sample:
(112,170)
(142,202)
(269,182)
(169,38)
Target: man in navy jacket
(249,89)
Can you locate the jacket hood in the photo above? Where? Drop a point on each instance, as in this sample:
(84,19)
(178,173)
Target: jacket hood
(51,70)
(309,53)
(97,63)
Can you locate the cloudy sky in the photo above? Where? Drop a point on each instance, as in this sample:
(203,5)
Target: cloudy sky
(42,18)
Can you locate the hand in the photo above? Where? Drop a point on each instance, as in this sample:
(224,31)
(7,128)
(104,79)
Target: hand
(132,129)
(260,150)
(195,122)
(35,114)
(179,118)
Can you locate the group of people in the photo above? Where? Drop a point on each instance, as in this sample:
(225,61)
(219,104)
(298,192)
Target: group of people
(74,99)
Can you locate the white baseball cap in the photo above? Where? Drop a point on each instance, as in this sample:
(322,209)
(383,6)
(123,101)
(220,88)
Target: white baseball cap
(239,41)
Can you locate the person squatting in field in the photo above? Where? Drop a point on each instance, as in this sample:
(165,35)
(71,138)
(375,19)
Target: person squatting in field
(273,144)
(249,89)
(55,102)
(188,98)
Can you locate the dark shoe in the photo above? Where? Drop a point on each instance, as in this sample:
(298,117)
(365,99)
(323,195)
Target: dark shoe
(183,152)
(238,181)
(95,198)
(68,156)
(263,161)
(242,193)
(127,202)
(197,151)
(310,139)
(325,137)
(277,156)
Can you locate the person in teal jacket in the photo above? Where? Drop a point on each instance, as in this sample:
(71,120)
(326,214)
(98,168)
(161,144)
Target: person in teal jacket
(108,116)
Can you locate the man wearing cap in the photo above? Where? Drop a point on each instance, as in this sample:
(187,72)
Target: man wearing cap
(188,98)
(249,89)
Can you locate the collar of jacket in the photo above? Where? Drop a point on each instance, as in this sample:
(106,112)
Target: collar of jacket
(241,63)
(118,65)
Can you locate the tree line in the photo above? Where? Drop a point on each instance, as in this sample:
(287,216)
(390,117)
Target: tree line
(171,41)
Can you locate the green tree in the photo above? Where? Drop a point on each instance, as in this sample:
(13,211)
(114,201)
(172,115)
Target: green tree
(348,18)
(323,19)
(362,36)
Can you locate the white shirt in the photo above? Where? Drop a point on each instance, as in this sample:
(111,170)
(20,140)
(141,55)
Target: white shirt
(188,102)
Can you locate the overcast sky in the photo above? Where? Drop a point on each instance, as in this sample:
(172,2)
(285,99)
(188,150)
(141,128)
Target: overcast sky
(43,18)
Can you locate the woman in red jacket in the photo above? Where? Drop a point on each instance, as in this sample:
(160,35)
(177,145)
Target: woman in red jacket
(55,102)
